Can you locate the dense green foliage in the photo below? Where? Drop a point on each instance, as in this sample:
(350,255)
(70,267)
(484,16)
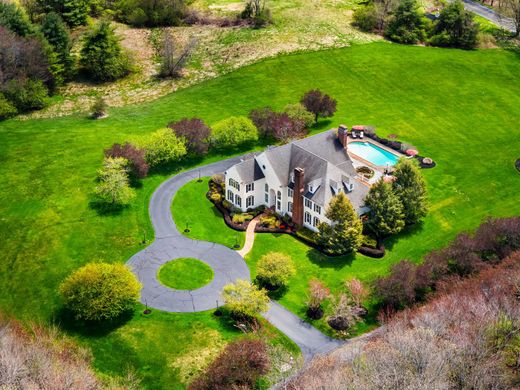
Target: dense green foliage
(151,13)
(114,187)
(100,291)
(386,214)
(49,168)
(344,235)
(274,269)
(102,57)
(57,34)
(233,132)
(455,27)
(365,17)
(410,188)
(26,95)
(408,24)
(73,12)
(185,274)
(299,113)
(245,300)
(163,147)
(14,19)
(7,109)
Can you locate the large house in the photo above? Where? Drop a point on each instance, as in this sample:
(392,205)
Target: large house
(298,179)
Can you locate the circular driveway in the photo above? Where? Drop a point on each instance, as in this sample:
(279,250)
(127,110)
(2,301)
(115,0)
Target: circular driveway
(170,244)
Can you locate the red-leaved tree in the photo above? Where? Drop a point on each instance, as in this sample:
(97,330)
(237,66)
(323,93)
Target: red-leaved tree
(277,125)
(319,104)
(195,132)
(139,167)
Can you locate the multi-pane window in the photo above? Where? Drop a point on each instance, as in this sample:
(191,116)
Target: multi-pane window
(250,201)
(317,208)
(289,207)
(308,203)
(230,195)
(238,201)
(234,184)
(250,187)
(315,221)
(266,187)
(290,192)
(307,217)
(278,200)
(266,197)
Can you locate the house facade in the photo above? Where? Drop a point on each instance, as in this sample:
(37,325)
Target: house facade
(298,179)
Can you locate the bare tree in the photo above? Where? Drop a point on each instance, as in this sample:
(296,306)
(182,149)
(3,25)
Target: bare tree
(511,9)
(174,59)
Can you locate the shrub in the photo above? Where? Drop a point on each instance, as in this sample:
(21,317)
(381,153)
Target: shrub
(344,314)
(57,34)
(408,24)
(345,233)
(318,292)
(102,56)
(274,270)
(218,179)
(113,187)
(195,133)
(241,218)
(357,291)
(15,19)
(7,110)
(319,104)
(26,95)
(136,158)
(100,291)
(217,198)
(270,221)
(299,113)
(245,300)
(151,13)
(173,58)
(365,18)
(398,288)
(455,27)
(163,147)
(410,188)
(256,13)
(99,108)
(240,365)
(233,132)
(74,12)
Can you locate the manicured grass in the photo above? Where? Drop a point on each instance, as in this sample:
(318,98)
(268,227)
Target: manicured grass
(191,208)
(185,274)
(460,107)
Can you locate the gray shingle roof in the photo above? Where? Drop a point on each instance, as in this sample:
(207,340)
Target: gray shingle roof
(249,170)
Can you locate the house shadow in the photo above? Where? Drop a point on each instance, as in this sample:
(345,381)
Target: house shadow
(65,320)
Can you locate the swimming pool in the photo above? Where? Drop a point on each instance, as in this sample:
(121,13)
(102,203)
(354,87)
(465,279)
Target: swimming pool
(372,153)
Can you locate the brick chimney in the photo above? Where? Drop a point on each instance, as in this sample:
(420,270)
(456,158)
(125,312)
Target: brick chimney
(297,208)
(342,135)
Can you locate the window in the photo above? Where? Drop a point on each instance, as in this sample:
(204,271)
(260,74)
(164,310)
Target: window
(292,177)
(317,208)
(290,192)
(238,201)
(250,187)
(266,187)
(234,184)
(266,196)
(311,188)
(279,195)
(230,195)
(308,203)
(307,217)
(315,221)
(289,207)
(250,201)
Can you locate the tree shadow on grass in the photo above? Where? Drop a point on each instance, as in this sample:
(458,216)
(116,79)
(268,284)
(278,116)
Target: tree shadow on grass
(64,318)
(324,261)
(106,209)
(407,232)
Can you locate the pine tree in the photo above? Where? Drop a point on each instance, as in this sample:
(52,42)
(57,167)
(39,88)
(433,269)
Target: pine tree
(408,24)
(57,34)
(344,234)
(386,215)
(410,188)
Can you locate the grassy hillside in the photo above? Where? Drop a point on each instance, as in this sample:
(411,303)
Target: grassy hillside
(460,107)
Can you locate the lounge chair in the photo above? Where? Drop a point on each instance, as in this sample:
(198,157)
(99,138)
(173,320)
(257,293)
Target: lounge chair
(361,134)
(353,135)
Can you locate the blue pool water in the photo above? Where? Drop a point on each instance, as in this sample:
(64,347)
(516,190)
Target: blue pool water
(372,153)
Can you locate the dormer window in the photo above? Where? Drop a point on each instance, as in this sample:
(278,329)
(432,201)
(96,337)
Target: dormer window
(310,188)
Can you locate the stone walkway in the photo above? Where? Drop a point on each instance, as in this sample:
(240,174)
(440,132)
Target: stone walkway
(250,238)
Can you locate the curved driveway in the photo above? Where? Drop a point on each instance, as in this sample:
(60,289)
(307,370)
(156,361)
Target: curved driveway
(227,266)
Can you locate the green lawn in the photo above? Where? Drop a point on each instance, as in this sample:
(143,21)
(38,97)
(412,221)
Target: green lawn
(191,208)
(460,107)
(185,274)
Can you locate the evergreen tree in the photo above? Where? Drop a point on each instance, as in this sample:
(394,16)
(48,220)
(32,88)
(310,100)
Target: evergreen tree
(14,19)
(386,214)
(73,12)
(410,188)
(344,235)
(455,27)
(57,34)
(408,24)
(102,56)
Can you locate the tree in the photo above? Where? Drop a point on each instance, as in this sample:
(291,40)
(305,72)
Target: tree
(164,147)
(511,9)
(245,300)
(100,291)
(398,289)
(7,110)
(318,292)
(233,132)
(151,13)
(408,24)
(410,188)
(102,56)
(299,113)
(319,104)
(256,12)
(99,108)
(14,19)
(26,94)
(73,12)
(173,60)
(344,234)
(136,158)
(386,215)
(261,118)
(113,187)
(57,34)
(343,315)
(357,291)
(365,17)
(195,133)
(274,269)
(455,27)
(239,366)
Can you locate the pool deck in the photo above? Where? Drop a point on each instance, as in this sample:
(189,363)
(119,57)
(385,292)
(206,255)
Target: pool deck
(379,168)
